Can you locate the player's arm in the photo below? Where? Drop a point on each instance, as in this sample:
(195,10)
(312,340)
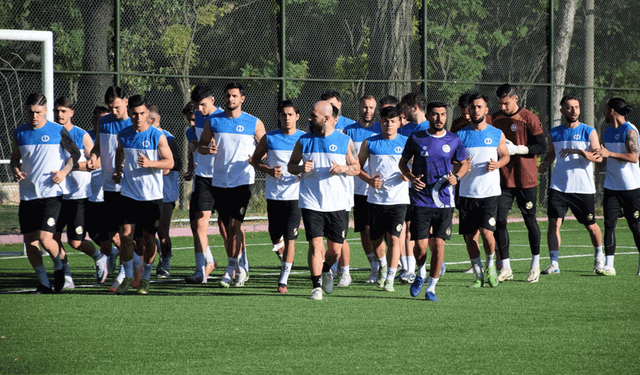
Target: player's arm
(503,156)
(87,144)
(294,166)
(207,144)
(257,160)
(631,145)
(259,132)
(95,151)
(363,156)
(119,159)
(537,143)
(353,165)
(177,160)
(548,158)
(14,163)
(165,156)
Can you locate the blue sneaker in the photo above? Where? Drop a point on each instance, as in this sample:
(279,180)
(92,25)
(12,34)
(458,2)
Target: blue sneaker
(416,287)
(430,296)
(443,269)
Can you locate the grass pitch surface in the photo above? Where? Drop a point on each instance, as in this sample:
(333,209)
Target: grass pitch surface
(573,322)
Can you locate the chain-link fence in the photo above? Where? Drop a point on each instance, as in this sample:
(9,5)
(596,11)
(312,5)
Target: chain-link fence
(297,49)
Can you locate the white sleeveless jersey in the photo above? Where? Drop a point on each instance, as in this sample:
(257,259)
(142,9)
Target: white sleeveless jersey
(97,194)
(109,129)
(358,134)
(204,163)
(621,175)
(78,182)
(384,155)
(170,182)
(236,142)
(481,146)
(573,174)
(41,154)
(279,149)
(141,184)
(319,189)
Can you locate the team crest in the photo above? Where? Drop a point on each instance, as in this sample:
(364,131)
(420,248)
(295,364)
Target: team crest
(636,214)
(514,127)
(576,137)
(51,221)
(343,234)
(399,228)
(333,148)
(446,149)
(45,138)
(146,144)
(529,205)
(488,141)
(242,210)
(448,232)
(617,136)
(590,217)
(239,128)
(398,150)
(295,232)
(492,221)
(79,229)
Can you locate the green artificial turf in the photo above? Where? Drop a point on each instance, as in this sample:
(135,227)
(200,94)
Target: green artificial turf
(573,322)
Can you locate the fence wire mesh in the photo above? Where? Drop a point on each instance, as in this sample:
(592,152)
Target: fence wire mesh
(163,48)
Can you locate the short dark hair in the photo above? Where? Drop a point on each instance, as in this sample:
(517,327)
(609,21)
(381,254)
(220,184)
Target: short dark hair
(36,99)
(330,94)
(366,97)
(99,110)
(64,101)
(201,92)
(415,99)
(113,93)
(335,112)
(234,85)
(154,109)
(463,101)
(505,90)
(189,109)
(286,104)
(476,96)
(137,101)
(389,112)
(388,100)
(433,105)
(620,106)
(568,97)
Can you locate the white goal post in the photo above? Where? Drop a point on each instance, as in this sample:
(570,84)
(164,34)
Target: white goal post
(46,38)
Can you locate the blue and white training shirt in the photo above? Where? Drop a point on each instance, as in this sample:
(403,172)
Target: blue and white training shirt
(621,175)
(141,184)
(235,139)
(358,134)
(78,182)
(171,181)
(204,163)
(573,174)
(279,149)
(481,146)
(109,129)
(384,155)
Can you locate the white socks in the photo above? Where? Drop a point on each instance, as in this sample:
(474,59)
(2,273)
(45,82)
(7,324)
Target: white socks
(284,275)
(411,264)
(609,262)
(391,273)
(506,264)
(431,284)
(535,261)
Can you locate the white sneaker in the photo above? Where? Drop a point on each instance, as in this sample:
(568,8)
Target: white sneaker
(101,267)
(505,275)
(534,275)
(607,271)
(550,270)
(345,280)
(327,282)
(68,283)
(598,265)
(316,294)
(241,278)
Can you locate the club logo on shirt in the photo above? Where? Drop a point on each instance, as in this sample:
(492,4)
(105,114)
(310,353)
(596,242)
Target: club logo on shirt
(398,150)
(424,151)
(492,221)
(239,128)
(514,127)
(576,137)
(617,136)
(51,221)
(333,148)
(146,143)
(529,205)
(446,149)
(45,138)
(79,229)
(488,141)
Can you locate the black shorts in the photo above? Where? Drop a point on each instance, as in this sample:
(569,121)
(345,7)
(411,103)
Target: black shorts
(202,198)
(425,218)
(94,221)
(284,219)
(476,213)
(360,212)
(72,215)
(145,215)
(332,225)
(386,219)
(583,206)
(407,216)
(525,198)
(627,201)
(39,214)
(114,211)
(232,202)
